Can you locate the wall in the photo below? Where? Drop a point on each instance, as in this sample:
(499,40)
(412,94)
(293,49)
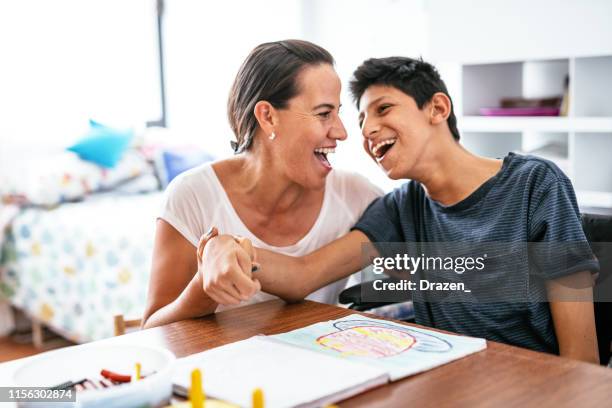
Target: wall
(205,45)
(499,30)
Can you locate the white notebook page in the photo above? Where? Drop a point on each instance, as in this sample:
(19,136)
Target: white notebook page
(288,375)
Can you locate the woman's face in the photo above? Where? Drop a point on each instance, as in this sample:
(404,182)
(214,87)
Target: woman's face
(309,128)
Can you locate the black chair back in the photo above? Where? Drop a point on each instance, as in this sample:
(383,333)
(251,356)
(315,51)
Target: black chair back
(598,230)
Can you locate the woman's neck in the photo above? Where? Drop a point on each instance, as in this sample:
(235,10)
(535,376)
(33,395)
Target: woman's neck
(255,179)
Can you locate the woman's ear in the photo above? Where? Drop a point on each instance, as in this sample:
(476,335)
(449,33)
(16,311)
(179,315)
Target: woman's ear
(440,108)
(266,116)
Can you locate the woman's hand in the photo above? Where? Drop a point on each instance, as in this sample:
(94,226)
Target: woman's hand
(226,264)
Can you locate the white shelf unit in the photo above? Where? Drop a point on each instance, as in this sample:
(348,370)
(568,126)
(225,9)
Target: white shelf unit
(580,143)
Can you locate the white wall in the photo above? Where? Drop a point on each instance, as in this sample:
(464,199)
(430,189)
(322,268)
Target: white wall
(205,44)
(65,61)
(502,30)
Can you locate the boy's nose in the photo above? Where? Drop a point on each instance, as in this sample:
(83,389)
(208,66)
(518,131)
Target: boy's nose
(369,129)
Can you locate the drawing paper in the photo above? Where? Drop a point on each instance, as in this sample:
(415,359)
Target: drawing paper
(398,349)
(322,363)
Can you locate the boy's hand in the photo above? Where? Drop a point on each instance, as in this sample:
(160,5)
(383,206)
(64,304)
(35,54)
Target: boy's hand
(226,264)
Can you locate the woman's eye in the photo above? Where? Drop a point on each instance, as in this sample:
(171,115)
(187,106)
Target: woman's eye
(325,115)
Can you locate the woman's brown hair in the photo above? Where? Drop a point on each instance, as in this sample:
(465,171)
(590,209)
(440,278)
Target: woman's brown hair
(269,74)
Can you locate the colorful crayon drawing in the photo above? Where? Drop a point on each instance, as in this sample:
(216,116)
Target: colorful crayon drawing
(367,338)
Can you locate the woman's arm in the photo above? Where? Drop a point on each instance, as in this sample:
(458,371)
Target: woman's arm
(175,288)
(571,306)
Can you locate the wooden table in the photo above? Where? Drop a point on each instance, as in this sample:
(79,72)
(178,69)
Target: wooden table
(500,376)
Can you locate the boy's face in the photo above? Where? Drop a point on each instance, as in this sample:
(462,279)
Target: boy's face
(395,130)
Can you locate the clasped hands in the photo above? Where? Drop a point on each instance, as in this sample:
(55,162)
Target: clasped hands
(226,264)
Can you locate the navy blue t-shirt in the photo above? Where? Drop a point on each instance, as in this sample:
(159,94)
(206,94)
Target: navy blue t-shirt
(528,200)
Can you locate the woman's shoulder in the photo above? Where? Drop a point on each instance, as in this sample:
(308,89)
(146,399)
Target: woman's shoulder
(199,178)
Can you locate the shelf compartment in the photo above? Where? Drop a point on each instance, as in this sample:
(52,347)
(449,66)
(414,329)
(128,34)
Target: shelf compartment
(484,85)
(592,165)
(593,86)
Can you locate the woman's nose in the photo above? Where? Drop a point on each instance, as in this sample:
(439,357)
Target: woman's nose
(338,131)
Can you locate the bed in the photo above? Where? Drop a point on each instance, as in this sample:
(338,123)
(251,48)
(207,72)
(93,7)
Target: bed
(77,226)
(76,266)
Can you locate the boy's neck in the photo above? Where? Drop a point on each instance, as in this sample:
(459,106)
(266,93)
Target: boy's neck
(453,173)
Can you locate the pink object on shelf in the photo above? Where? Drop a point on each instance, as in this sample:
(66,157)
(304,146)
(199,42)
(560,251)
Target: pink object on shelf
(545,111)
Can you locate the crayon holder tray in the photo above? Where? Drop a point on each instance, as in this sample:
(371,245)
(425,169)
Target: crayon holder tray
(79,362)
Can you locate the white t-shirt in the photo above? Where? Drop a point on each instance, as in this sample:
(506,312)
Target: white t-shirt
(196,200)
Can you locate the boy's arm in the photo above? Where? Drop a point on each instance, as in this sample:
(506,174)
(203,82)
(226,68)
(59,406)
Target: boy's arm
(293,278)
(571,306)
(290,278)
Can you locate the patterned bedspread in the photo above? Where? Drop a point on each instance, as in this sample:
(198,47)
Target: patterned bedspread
(76,266)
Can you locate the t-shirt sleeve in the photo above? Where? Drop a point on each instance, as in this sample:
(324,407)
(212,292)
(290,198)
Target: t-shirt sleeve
(557,241)
(380,222)
(180,209)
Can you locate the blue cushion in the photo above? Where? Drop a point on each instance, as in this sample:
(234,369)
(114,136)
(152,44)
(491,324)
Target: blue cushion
(103,145)
(172,162)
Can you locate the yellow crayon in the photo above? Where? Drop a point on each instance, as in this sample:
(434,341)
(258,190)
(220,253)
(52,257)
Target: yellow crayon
(137,372)
(258,398)
(196,394)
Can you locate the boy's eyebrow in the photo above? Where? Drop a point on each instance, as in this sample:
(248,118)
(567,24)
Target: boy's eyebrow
(372,103)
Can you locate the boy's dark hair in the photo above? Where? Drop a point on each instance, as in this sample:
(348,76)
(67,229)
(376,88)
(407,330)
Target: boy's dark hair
(415,78)
(269,73)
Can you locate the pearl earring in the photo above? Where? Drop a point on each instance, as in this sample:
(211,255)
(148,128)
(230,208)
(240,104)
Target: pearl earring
(272,136)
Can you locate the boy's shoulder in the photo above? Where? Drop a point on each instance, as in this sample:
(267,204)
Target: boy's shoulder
(541,169)
(534,176)
(524,172)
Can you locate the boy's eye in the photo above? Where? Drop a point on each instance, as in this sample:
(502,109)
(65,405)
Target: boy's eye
(383,108)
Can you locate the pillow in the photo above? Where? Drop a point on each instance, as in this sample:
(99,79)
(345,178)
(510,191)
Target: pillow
(132,165)
(63,176)
(53,179)
(171,162)
(103,145)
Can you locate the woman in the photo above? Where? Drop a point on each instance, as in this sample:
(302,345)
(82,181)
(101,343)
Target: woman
(279,190)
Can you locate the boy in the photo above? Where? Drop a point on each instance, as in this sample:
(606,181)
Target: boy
(409,129)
